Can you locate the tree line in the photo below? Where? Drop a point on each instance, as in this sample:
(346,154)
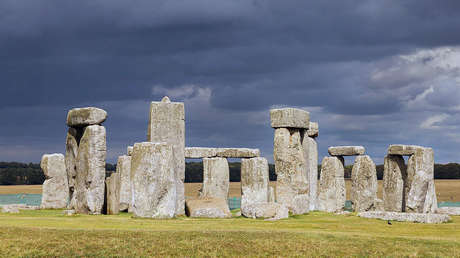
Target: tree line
(15,173)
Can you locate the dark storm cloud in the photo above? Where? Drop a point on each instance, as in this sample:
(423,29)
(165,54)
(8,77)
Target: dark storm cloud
(234,60)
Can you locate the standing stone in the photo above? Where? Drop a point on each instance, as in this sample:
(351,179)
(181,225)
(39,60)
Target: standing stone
(124,170)
(112,185)
(167,124)
(129,150)
(292,189)
(254,182)
(271,194)
(72,141)
(154,180)
(90,179)
(394,177)
(363,184)
(420,172)
(331,191)
(311,156)
(216,178)
(55,193)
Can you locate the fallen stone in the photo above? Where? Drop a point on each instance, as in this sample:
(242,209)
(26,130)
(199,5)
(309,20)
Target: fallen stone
(313,130)
(203,152)
(9,209)
(346,150)
(292,187)
(112,184)
(331,190)
(403,216)
(254,181)
(216,178)
(68,212)
(403,150)
(394,175)
(129,150)
(454,211)
(154,180)
(55,190)
(124,170)
(167,124)
(207,208)
(79,117)
(72,141)
(90,179)
(15,208)
(289,118)
(267,210)
(363,184)
(311,156)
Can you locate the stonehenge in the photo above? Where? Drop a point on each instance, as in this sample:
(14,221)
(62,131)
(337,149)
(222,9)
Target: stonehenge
(55,193)
(112,191)
(124,170)
(331,190)
(216,178)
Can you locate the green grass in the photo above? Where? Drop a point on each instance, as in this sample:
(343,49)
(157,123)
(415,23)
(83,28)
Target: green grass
(49,233)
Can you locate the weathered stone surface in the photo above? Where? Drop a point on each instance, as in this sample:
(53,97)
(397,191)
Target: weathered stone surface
(403,150)
(363,184)
(454,211)
(292,188)
(112,188)
(254,181)
(420,192)
(55,191)
(203,152)
(167,124)
(79,117)
(9,209)
(346,150)
(129,150)
(311,156)
(313,130)
(403,216)
(271,194)
(207,208)
(216,178)
(90,179)
(154,180)
(394,176)
(289,118)
(268,210)
(68,212)
(124,170)
(15,208)
(72,141)
(331,191)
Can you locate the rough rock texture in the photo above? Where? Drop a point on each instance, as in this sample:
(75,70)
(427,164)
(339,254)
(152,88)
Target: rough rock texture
(216,178)
(154,180)
(311,156)
(403,150)
(268,210)
(112,185)
(15,208)
(90,180)
(292,187)
(254,181)
(124,170)
(271,194)
(207,208)
(289,118)
(313,130)
(9,209)
(129,150)
(394,176)
(454,211)
(167,124)
(331,191)
(55,191)
(72,141)
(203,152)
(403,216)
(79,117)
(68,212)
(420,191)
(346,150)
(363,184)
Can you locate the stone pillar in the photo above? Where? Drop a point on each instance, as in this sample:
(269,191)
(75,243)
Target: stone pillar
(112,185)
(394,177)
(331,191)
(363,184)
(216,178)
(254,181)
(167,124)
(154,180)
(311,155)
(55,191)
(73,140)
(124,170)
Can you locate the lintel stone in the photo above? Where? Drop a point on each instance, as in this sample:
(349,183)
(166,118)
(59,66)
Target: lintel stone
(403,150)
(290,118)
(346,150)
(203,152)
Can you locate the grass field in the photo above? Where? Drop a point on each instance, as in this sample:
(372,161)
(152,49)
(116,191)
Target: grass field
(49,233)
(446,190)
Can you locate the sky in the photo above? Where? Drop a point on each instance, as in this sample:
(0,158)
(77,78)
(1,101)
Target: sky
(371,73)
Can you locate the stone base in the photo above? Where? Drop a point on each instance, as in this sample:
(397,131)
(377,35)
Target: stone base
(265,210)
(403,216)
(207,208)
